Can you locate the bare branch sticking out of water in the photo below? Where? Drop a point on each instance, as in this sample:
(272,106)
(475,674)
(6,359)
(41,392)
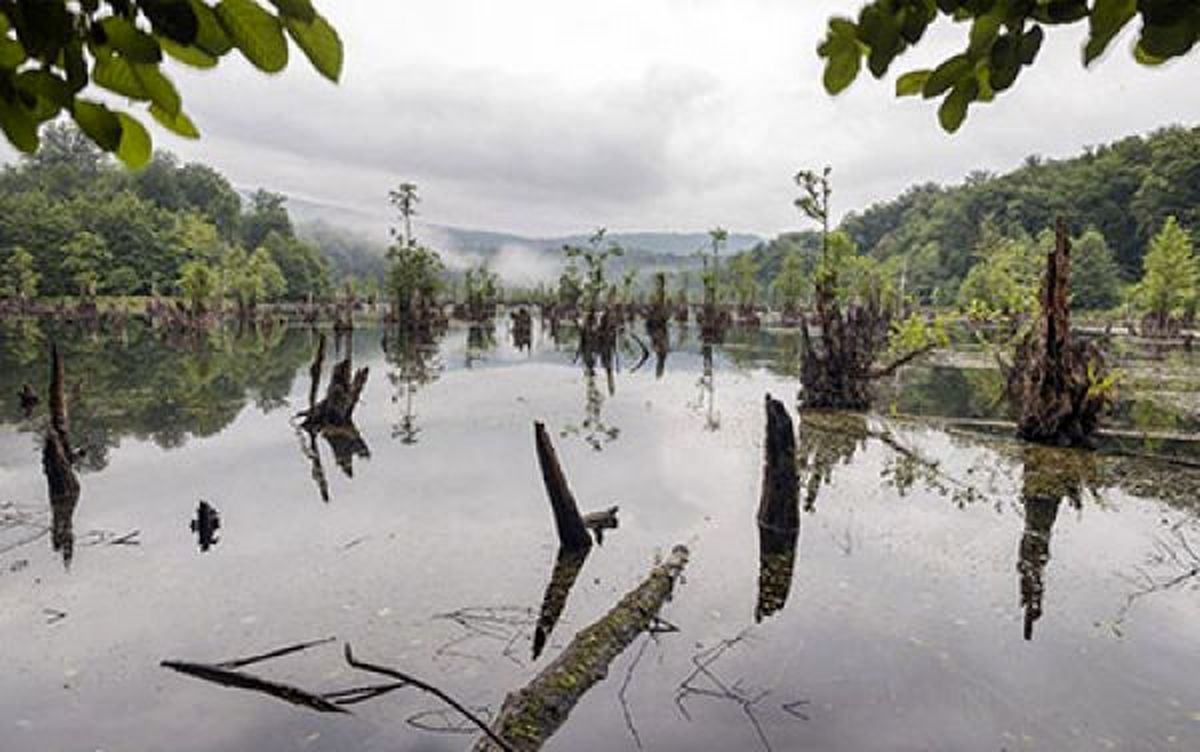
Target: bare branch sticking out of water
(226,674)
(430,689)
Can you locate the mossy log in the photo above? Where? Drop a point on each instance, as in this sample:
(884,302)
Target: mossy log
(529,716)
(1051,384)
(572,531)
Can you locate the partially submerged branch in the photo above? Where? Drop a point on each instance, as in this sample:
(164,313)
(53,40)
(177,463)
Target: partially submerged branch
(572,532)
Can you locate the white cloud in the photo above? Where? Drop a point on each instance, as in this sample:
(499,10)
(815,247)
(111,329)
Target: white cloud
(543,116)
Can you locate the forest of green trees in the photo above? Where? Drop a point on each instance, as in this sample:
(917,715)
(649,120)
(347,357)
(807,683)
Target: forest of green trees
(949,243)
(74,223)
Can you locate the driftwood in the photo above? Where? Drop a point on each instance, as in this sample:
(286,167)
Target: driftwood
(1052,382)
(572,532)
(778,512)
(532,714)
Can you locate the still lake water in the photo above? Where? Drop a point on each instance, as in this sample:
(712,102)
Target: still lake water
(949,591)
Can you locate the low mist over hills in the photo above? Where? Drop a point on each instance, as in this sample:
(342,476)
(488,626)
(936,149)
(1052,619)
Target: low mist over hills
(355,242)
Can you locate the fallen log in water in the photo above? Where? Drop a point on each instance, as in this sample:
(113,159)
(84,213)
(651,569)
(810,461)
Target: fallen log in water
(529,716)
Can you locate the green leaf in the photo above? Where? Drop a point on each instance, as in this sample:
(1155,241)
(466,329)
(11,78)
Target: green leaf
(912,83)
(878,30)
(172,19)
(179,123)
(116,74)
(300,10)
(1107,19)
(18,126)
(1145,58)
(133,43)
(984,30)
(98,122)
(210,35)
(1168,40)
(159,88)
(946,75)
(12,53)
(255,32)
(1031,42)
(953,111)
(134,149)
(193,56)
(51,92)
(320,44)
(843,55)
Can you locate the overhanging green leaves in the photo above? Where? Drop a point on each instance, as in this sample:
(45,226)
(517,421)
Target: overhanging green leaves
(255,32)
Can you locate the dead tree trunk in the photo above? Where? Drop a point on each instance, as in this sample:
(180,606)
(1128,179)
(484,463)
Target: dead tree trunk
(572,532)
(778,512)
(779,505)
(1051,383)
(531,715)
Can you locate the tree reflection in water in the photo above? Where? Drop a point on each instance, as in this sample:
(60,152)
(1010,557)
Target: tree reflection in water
(415,363)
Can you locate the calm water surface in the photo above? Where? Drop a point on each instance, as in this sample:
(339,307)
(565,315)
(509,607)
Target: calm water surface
(947,591)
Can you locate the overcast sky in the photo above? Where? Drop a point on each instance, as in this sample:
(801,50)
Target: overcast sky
(552,116)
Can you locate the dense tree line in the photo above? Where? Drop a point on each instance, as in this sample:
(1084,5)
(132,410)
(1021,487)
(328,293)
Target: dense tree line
(1116,199)
(73,223)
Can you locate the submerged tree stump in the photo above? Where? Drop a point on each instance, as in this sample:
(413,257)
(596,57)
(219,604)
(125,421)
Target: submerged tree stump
(529,716)
(572,531)
(1057,384)
(837,366)
(341,398)
(778,511)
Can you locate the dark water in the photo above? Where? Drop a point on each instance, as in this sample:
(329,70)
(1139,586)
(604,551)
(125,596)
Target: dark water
(947,591)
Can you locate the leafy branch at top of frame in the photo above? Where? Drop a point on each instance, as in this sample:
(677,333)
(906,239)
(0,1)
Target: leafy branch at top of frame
(54,54)
(1004,37)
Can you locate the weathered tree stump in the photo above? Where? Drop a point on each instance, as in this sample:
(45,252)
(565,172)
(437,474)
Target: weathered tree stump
(778,511)
(1052,381)
(529,716)
(572,532)
(341,398)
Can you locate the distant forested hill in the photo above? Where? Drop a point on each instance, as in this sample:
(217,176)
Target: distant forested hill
(1126,190)
(84,224)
